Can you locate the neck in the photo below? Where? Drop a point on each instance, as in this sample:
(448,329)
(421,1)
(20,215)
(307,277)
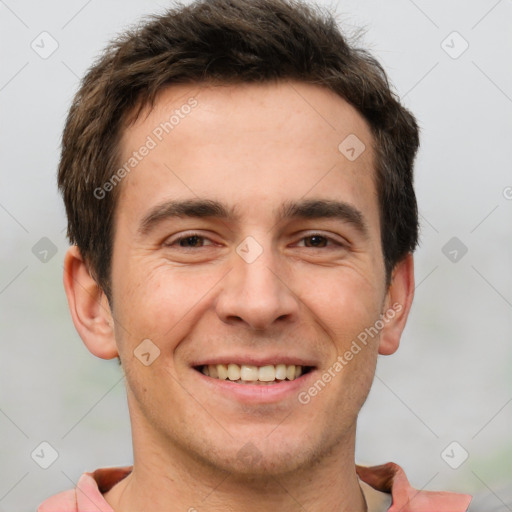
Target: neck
(168,490)
(167,477)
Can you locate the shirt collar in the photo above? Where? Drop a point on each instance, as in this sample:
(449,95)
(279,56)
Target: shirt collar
(387,478)
(391,478)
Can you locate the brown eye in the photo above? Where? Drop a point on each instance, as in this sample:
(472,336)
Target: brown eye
(191,241)
(316,241)
(320,241)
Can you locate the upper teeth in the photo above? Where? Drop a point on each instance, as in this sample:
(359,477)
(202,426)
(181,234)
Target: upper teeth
(248,372)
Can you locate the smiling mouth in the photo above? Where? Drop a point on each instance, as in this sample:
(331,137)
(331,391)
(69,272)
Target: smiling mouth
(250,374)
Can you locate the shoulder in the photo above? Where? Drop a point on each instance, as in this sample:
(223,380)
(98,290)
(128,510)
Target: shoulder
(391,478)
(62,502)
(89,489)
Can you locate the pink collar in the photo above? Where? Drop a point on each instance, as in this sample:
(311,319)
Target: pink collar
(389,478)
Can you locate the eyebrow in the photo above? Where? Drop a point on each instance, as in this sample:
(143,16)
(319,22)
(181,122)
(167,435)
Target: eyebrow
(324,209)
(193,208)
(303,209)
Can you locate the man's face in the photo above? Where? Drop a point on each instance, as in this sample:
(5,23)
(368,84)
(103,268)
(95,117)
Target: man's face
(286,268)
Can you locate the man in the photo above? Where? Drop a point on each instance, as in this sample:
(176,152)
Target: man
(238,184)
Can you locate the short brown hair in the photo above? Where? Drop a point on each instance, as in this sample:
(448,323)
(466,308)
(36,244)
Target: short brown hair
(228,41)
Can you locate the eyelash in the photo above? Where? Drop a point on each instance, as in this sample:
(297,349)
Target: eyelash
(333,241)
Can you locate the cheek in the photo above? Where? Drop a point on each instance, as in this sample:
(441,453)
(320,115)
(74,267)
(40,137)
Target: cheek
(345,302)
(347,308)
(158,302)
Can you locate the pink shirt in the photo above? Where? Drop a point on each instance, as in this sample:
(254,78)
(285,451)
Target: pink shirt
(388,478)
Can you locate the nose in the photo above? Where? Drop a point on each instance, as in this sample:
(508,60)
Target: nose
(257,293)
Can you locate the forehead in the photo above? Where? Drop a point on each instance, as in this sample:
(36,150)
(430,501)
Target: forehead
(250,143)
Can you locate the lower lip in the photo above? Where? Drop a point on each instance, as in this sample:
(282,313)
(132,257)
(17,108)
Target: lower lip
(258,393)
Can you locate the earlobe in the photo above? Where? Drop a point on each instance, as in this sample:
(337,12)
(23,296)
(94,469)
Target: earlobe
(397,305)
(89,307)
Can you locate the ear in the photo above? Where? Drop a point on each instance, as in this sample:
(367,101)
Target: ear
(397,305)
(89,306)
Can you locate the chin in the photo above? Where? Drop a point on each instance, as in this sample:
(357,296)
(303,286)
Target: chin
(269,455)
(249,463)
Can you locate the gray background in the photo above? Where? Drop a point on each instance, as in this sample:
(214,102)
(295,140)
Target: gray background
(450,380)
